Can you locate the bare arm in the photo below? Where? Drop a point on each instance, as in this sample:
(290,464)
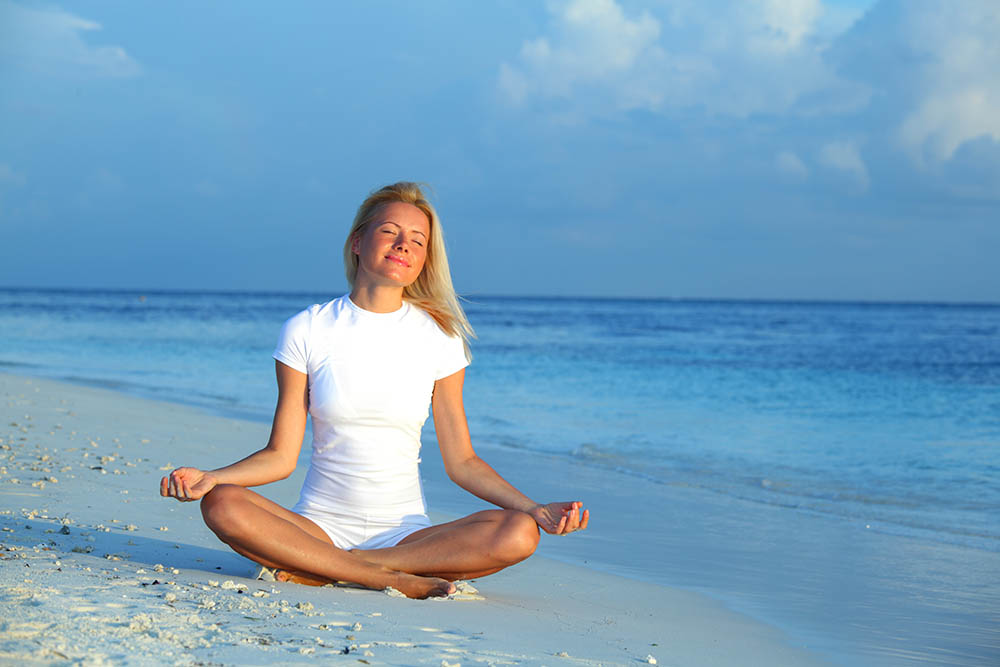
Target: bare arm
(465,468)
(275,461)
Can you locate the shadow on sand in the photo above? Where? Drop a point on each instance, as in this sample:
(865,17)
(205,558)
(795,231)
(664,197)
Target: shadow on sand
(118,544)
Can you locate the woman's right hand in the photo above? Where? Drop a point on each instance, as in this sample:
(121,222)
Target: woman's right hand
(186,484)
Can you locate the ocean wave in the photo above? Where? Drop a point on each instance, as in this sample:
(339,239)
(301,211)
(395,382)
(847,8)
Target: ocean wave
(936,518)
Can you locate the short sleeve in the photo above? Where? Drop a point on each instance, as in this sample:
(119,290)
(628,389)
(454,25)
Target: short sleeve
(452,358)
(293,342)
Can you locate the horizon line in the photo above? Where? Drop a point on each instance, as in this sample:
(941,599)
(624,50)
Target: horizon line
(473,295)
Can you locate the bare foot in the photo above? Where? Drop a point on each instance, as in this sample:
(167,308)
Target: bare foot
(410,585)
(415,586)
(300,578)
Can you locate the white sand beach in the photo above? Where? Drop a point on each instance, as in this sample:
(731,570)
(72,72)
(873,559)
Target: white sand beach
(96,568)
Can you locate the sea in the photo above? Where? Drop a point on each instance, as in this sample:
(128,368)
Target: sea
(873,428)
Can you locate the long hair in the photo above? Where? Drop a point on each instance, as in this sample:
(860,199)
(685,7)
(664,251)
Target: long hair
(432,290)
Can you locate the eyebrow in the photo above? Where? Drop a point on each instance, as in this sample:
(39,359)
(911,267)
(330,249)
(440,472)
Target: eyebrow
(393,222)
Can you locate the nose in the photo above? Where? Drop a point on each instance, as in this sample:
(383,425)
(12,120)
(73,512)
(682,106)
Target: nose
(401,244)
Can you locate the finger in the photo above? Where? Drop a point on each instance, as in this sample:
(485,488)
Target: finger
(585,520)
(561,527)
(185,491)
(163,486)
(576,519)
(568,507)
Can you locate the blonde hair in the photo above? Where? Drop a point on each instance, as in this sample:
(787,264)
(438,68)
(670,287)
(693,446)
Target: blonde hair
(432,291)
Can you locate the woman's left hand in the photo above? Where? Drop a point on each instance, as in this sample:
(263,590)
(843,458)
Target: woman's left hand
(561,518)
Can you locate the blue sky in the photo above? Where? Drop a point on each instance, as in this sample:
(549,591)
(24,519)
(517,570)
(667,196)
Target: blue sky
(791,149)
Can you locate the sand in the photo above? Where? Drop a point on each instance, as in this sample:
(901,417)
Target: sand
(96,568)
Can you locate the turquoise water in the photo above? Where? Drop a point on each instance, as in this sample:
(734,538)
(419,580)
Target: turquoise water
(882,415)
(885,412)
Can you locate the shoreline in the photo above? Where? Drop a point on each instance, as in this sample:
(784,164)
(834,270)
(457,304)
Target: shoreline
(106,450)
(903,529)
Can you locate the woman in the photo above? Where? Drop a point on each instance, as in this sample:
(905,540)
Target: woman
(366,366)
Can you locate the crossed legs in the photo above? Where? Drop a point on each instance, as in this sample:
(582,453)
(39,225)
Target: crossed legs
(473,546)
(420,566)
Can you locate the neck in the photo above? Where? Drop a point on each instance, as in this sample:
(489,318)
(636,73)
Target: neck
(377,298)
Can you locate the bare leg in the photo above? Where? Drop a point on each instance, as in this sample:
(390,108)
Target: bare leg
(474,546)
(275,537)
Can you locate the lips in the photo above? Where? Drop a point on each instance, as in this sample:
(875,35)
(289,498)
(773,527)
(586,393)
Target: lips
(399,260)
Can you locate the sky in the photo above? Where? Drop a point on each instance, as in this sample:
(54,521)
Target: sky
(759,149)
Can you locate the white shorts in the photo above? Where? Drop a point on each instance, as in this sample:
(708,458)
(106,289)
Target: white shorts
(363,531)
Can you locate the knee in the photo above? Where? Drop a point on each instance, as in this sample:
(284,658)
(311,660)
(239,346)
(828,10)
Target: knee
(518,536)
(220,507)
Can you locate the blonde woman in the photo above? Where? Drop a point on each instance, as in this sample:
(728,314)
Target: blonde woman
(366,367)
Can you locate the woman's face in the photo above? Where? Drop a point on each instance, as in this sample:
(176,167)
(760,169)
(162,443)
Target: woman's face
(393,247)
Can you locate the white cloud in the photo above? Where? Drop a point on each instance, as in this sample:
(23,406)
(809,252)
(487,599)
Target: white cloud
(51,42)
(732,57)
(837,19)
(512,84)
(613,42)
(913,80)
(594,47)
(935,68)
(791,165)
(943,121)
(960,93)
(759,27)
(974,170)
(844,156)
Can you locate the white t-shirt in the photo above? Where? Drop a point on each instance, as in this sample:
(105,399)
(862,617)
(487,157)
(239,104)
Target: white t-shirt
(371,376)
